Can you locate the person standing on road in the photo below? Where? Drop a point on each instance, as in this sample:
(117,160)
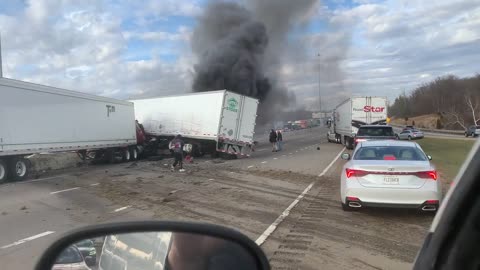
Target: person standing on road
(177,147)
(273,140)
(279,140)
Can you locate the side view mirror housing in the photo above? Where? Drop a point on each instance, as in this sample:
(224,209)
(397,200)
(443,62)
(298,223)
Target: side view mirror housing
(429,157)
(346,156)
(175,245)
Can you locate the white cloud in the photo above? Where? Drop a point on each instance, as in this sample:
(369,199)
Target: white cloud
(82,46)
(375,48)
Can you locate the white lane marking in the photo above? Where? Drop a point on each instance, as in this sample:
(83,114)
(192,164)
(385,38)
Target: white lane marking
(94,184)
(251,166)
(121,208)
(260,150)
(290,153)
(211,179)
(260,240)
(284,155)
(331,163)
(263,162)
(275,158)
(64,190)
(27,239)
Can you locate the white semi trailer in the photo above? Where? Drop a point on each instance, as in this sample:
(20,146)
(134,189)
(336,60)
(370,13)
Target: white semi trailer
(36,119)
(211,122)
(354,112)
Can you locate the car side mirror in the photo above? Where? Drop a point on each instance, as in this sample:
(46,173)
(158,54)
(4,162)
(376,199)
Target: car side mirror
(162,244)
(429,157)
(346,156)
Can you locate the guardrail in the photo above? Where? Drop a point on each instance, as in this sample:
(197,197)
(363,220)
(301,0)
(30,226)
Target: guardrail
(439,131)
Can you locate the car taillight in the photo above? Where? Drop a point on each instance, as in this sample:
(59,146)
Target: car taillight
(360,140)
(427,175)
(357,173)
(431,202)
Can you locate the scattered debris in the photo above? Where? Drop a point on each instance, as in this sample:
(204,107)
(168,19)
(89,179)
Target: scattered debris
(173,191)
(4,213)
(23,208)
(134,164)
(168,199)
(160,176)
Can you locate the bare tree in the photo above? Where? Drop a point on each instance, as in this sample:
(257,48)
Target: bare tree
(473,104)
(455,118)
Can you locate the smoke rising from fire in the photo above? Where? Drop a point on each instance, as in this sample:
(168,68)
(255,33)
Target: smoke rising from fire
(240,49)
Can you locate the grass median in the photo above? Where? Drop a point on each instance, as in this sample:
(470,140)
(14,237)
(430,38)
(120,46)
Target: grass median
(448,155)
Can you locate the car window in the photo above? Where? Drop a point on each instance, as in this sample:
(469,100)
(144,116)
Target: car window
(69,255)
(84,243)
(390,153)
(375,131)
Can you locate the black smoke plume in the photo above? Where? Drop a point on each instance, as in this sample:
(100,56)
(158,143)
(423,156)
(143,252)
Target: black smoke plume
(235,51)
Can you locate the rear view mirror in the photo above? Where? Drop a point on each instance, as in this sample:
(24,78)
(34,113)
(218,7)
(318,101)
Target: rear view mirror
(429,157)
(346,156)
(154,245)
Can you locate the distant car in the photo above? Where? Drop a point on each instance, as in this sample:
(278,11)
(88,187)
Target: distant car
(410,134)
(374,132)
(389,174)
(88,250)
(71,258)
(473,131)
(408,128)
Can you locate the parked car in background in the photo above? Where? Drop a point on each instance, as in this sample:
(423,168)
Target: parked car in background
(410,134)
(472,131)
(389,174)
(71,259)
(374,132)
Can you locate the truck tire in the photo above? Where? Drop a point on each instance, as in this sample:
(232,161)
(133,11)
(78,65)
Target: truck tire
(126,155)
(348,143)
(133,153)
(3,171)
(19,168)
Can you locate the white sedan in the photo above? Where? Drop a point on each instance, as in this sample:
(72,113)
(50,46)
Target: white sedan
(389,174)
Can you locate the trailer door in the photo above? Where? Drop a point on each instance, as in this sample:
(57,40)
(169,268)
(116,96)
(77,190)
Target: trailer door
(232,105)
(248,117)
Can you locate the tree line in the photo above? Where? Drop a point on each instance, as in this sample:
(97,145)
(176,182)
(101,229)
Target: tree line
(455,100)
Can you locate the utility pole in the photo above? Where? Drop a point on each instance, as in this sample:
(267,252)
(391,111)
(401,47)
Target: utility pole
(319,81)
(1,63)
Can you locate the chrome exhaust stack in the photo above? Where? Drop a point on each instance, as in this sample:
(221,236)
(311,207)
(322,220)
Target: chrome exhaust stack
(427,208)
(354,204)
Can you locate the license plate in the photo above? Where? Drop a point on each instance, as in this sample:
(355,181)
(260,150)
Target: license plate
(391,181)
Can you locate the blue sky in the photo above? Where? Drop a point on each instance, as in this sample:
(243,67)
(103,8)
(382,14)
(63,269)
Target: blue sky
(142,48)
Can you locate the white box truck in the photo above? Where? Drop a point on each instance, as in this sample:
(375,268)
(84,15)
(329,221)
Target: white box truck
(210,122)
(349,115)
(36,119)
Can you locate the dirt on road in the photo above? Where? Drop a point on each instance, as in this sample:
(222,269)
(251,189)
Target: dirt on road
(317,232)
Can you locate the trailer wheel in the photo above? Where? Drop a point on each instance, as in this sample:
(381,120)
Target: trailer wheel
(133,153)
(3,171)
(19,168)
(126,157)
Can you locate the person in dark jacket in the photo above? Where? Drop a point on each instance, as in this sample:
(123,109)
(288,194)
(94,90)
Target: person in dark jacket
(279,140)
(273,140)
(177,147)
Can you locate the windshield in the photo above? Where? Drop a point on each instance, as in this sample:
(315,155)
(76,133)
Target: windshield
(375,131)
(69,255)
(389,153)
(84,243)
